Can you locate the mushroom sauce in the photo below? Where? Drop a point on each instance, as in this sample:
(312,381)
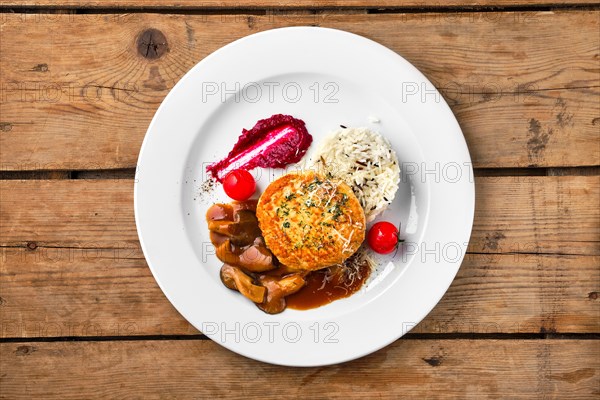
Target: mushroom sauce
(250,267)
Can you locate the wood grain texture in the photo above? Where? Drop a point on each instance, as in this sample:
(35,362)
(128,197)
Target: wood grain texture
(54,292)
(76,93)
(561,369)
(277,4)
(537,214)
(75,267)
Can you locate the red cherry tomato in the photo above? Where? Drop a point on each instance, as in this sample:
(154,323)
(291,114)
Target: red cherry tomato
(239,184)
(383,237)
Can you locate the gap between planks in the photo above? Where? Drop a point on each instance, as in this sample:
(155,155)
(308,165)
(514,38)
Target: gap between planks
(408,336)
(129,173)
(203,9)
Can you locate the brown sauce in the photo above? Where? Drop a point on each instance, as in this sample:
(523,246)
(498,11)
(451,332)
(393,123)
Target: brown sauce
(328,285)
(236,222)
(220,211)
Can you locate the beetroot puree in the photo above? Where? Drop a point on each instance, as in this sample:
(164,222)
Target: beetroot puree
(272,143)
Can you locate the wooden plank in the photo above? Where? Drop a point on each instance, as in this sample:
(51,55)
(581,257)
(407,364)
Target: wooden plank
(72,213)
(279,5)
(54,292)
(82,96)
(519,294)
(562,369)
(76,268)
(537,214)
(521,214)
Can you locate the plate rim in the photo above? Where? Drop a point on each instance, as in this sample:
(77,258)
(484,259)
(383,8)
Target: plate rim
(207,59)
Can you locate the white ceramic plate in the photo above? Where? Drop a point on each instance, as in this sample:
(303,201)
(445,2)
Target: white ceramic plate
(325,77)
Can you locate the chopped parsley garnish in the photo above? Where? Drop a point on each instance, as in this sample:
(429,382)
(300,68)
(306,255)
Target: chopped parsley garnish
(313,185)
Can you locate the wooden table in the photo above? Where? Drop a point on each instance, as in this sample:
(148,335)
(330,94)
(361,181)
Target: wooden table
(81,315)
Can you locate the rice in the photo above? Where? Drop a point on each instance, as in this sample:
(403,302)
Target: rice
(365,161)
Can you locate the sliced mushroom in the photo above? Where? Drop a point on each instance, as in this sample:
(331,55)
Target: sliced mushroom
(242,230)
(219,212)
(291,284)
(284,270)
(221,226)
(255,258)
(244,205)
(277,289)
(217,239)
(235,279)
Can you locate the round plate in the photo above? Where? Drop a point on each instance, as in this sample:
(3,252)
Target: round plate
(327,78)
